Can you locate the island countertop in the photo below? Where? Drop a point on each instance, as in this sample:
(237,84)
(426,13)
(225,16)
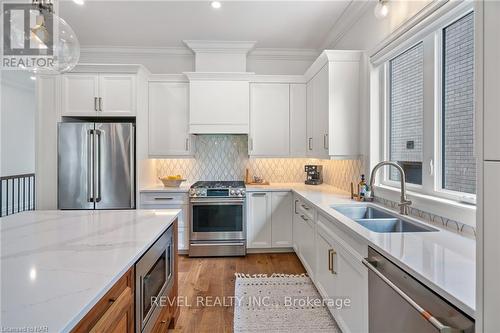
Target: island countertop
(56,265)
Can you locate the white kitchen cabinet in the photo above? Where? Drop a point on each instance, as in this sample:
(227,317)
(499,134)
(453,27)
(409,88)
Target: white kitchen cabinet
(307,248)
(220,106)
(281,219)
(80,94)
(269,220)
(117,94)
(171,200)
(98,94)
(169,119)
(259,220)
(298,120)
(318,115)
(333,105)
(269,119)
(340,273)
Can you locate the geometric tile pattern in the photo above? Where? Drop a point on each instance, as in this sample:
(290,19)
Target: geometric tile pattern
(225,157)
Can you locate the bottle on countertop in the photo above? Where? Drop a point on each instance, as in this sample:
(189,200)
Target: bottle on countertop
(362,188)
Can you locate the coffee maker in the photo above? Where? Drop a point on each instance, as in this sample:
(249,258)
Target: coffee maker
(314,174)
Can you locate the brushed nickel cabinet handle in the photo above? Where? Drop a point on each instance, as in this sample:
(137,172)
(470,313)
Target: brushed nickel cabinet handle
(100,103)
(163,198)
(295,207)
(305,207)
(260,194)
(95,104)
(325,141)
(304,218)
(310,143)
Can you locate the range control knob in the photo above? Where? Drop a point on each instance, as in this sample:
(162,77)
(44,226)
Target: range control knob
(232,192)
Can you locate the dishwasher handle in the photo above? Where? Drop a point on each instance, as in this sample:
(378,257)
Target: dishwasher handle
(370,264)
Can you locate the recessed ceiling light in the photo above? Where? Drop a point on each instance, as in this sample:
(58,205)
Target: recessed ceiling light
(215,4)
(79,2)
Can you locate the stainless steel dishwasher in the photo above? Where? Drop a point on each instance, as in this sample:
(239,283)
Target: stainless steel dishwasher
(398,303)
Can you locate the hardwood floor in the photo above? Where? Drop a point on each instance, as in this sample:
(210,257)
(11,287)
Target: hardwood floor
(205,283)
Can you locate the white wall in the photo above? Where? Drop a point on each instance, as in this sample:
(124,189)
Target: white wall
(17,125)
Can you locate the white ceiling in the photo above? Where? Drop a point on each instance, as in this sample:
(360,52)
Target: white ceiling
(273,24)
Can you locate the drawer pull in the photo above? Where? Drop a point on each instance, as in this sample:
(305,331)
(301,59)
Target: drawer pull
(164,198)
(305,207)
(331,263)
(304,218)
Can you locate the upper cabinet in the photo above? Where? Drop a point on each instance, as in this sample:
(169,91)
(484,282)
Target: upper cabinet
(169,119)
(277,120)
(333,105)
(218,103)
(85,94)
(269,119)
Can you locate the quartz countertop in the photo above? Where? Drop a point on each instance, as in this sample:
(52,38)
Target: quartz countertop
(56,265)
(444,261)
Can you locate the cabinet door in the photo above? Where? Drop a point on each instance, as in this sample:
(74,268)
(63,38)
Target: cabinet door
(352,284)
(269,119)
(298,121)
(259,220)
(320,107)
(491,252)
(308,249)
(309,119)
(296,228)
(117,95)
(281,219)
(325,279)
(79,94)
(169,119)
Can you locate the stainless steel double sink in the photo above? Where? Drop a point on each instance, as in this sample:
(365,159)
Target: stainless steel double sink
(378,220)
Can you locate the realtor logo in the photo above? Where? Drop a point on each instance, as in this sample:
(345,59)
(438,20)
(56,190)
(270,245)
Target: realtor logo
(28,37)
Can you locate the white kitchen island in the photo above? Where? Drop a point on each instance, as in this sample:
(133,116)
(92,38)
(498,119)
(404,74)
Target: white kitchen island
(56,265)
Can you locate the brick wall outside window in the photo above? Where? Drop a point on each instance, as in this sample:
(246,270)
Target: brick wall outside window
(406,106)
(459,166)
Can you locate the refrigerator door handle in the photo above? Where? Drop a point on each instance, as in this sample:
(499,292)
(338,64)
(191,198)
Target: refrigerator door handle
(97,159)
(90,165)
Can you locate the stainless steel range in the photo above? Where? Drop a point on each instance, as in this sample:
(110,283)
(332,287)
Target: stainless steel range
(218,219)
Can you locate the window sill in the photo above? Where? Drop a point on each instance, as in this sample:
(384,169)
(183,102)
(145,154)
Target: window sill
(446,208)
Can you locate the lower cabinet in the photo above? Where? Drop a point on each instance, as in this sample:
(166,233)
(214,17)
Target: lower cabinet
(342,279)
(171,200)
(304,234)
(114,312)
(269,219)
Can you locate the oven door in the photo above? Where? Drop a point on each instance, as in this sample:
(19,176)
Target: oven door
(218,219)
(154,279)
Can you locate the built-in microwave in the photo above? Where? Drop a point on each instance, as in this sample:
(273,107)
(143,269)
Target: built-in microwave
(154,278)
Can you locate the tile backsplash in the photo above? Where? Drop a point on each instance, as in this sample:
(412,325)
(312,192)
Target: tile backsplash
(225,157)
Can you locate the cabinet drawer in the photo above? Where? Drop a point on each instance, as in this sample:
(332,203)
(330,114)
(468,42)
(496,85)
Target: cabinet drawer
(163,198)
(352,244)
(303,208)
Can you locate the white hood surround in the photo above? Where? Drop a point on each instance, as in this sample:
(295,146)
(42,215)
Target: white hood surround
(219,101)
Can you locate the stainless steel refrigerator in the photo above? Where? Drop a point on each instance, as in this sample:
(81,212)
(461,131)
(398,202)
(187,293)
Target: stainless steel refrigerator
(96,165)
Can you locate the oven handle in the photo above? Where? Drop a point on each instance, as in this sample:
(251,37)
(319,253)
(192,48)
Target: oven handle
(370,264)
(217,244)
(217,202)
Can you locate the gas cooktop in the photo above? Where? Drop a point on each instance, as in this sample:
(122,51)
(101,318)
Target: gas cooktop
(219,189)
(219,184)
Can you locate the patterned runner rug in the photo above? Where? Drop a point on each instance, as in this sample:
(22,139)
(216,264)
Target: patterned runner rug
(279,303)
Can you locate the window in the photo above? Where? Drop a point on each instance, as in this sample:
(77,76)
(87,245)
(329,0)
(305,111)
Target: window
(429,109)
(407,113)
(459,165)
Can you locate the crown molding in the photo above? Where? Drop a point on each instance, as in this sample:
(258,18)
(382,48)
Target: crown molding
(262,78)
(213,46)
(162,52)
(284,54)
(331,55)
(347,19)
(219,76)
(108,68)
(137,51)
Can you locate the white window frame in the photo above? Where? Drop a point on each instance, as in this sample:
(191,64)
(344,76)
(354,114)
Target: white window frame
(431,37)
